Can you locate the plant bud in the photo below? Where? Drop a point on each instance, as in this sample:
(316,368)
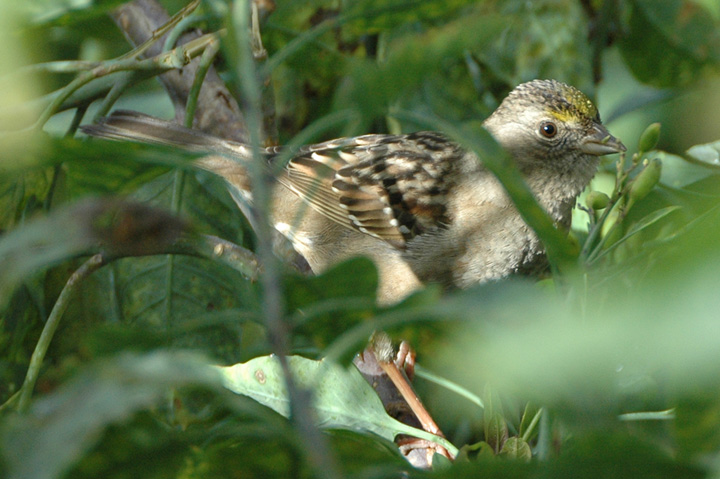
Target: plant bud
(645,181)
(597,200)
(649,138)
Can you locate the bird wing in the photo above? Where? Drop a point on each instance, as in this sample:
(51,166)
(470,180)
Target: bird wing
(387,186)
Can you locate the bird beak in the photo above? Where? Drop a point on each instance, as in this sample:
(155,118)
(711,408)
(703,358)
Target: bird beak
(601,142)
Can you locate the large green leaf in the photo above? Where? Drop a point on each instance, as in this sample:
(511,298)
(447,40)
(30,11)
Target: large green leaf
(342,399)
(670,42)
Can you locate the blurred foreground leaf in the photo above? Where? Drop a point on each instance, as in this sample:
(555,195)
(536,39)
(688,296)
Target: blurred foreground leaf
(670,42)
(62,427)
(579,358)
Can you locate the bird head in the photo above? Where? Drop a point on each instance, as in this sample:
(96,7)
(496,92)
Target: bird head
(548,123)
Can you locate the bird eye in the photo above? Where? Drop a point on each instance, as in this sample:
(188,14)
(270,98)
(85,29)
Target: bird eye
(548,129)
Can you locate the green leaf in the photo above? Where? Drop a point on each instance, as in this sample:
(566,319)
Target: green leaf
(534,347)
(45,242)
(528,422)
(54,12)
(176,292)
(496,430)
(495,426)
(516,448)
(97,167)
(342,399)
(373,87)
(356,277)
(21,196)
(697,424)
(644,223)
(374,16)
(669,42)
(603,454)
(325,306)
(708,153)
(61,427)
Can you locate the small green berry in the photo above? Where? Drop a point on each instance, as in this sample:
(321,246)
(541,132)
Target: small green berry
(597,200)
(649,138)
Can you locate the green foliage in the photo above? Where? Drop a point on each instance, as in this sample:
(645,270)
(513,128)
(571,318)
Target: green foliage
(110,366)
(670,41)
(342,399)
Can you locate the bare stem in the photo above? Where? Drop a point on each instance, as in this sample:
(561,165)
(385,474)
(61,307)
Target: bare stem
(90,266)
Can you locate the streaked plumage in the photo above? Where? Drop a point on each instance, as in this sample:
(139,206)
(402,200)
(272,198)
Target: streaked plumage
(423,208)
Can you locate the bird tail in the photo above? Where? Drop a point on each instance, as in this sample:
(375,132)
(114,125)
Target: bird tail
(141,128)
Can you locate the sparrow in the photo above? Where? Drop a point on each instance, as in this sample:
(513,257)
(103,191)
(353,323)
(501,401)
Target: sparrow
(420,206)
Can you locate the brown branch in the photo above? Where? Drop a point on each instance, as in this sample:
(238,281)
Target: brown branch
(217,111)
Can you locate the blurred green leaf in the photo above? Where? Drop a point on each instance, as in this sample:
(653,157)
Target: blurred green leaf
(644,224)
(708,153)
(599,454)
(324,306)
(535,347)
(110,168)
(64,12)
(63,426)
(670,42)
(516,448)
(697,425)
(43,243)
(538,41)
(372,87)
(374,16)
(528,422)
(20,196)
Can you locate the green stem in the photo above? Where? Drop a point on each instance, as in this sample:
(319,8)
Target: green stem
(531,427)
(115,91)
(449,385)
(174,59)
(239,52)
(175,205)
(162,30)
(206,62)
(178,30)
(596,229)
(90,266)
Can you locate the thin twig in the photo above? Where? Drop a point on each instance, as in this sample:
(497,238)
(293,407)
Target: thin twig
(117,89)
(217,111)
(162,30)
(174,59)
(206,62)
(90,266)
(218,249)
